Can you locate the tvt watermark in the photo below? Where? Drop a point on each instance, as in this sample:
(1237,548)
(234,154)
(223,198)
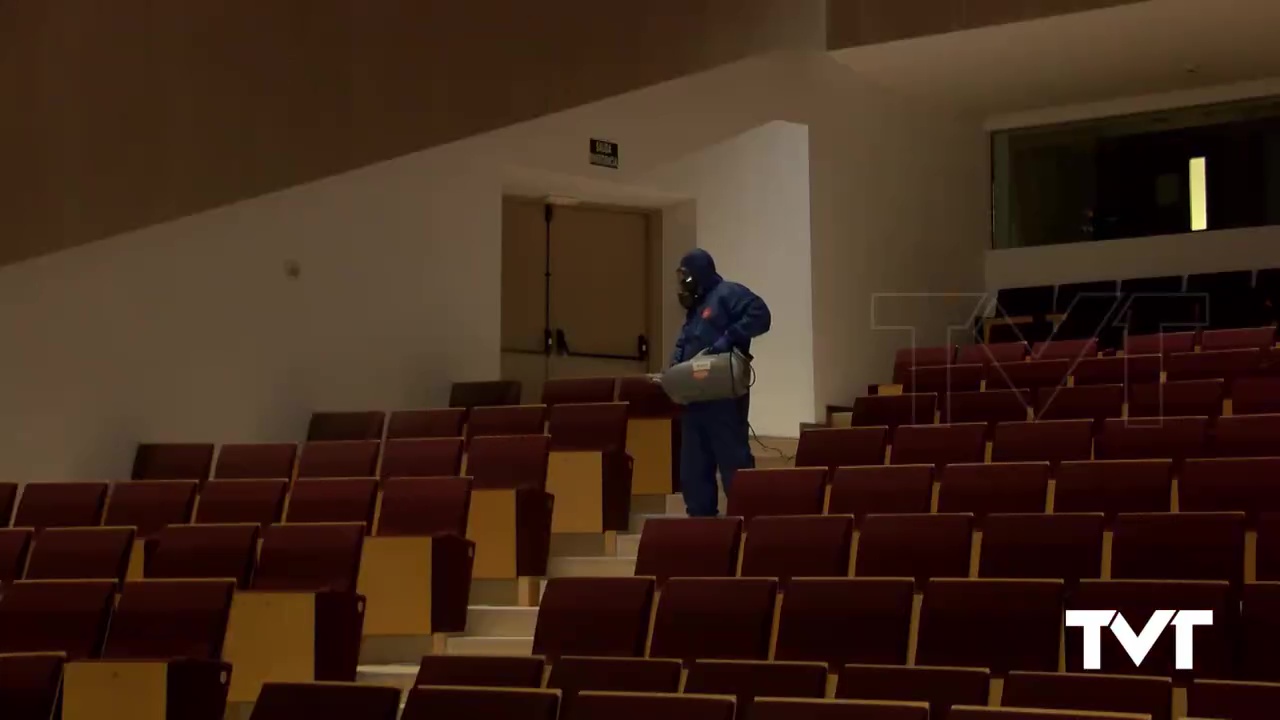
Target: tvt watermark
(1137,645)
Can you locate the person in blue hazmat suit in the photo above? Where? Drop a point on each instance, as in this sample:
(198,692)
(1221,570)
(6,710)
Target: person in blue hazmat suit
(719,316)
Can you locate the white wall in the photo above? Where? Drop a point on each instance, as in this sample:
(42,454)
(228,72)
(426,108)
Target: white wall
(1210,251)
(190,331)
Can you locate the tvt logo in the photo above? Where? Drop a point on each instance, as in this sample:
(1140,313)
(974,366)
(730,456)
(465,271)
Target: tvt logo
(1137,645)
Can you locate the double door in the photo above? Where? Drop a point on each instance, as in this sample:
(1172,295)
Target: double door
(575,293)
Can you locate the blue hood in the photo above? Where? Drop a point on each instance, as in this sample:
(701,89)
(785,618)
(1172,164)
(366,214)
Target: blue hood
(702,268)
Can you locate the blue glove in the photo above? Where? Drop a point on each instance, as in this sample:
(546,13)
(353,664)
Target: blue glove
(721,346)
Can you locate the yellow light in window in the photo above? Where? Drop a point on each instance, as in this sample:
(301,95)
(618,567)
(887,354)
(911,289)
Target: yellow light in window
(1199,196)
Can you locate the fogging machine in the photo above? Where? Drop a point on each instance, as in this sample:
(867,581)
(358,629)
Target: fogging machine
(706,377)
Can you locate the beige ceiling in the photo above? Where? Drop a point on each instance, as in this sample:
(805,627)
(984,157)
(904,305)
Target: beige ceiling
(1143,48)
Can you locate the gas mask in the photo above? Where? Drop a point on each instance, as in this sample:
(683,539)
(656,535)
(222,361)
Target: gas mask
(689,292)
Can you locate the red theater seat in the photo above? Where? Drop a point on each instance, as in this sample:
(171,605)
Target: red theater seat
(578,391)
(425,506)
(1147,696)
(1248,485)
(172,461)
(831,448)
(1000,488)
(1072,350)
(80,554)
(607,617)
(254,462)
(572,675)
(944,379)
(939,444)
(990,353)
(798,546)
(714,618)
(68,617)
(1236,436)
(347,701)
(925,356)
(480,671)
(1118,370)
(431,457)
(418,424)
(1032,374)
(1051,441)
(990,406)
(1062,545)
(1160,344)
(64,504)
(339,459)
(506,420)
(8,499)
(915,546)
(204,551)
(1000,625)
(838,621)
(1113,486)
(689,547)
(1178,546)
(1242,338)
(1180,398)
(508,462)
(1142,439)
(780,491)
(150,506)
(747,680)
(627,706)
(1259,632)
(340,426)
(1255,396)
(14,546)
(893,410)
(333,500)
(29,685)
(242,501)
(941,688)
(447,703)
(881,489)
(1224,364)
(1089,402)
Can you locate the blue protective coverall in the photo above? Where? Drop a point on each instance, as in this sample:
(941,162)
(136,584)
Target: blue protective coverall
(714,435)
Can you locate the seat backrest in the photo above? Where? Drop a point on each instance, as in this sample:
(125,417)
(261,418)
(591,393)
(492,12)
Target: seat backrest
(572,675)
(425,506)
(883,489)
(1168,437)
(577,391)
(506,462)
(714,618)
(1065,349)
(30,685)
(987,406)
(1255,396)
(1113,486)
(1102,693)
(989,353)
(1000,625)
(1178,398)
(470,395)
(1178,546)
(941,688)
(170,620)
(939,444)
(204,551)
(1050,441)
(1238,436)
(747,680)
(480,671)
(645,398)
(150,506)
(797,546)
(434,423)
(606,617)
(925,356)
(310,557)
(349,701)
(1209,365)
(598,426)
(915,546)
(15,543)
(1235,700)
(981,489)
(70,504)
(1039,545)
(337,426)
(506,420)
(836,447)
(968,712)
(689,547)
(172,461)
(637,706)
(1031,374)
(437,703)
(1118,370)
(844,620)
(333,500)
(1232,339)
(428,457)
(339,459)
(1088,402)
(242,501)
(81,554)
(944,379)
(1160,343)
(1248,485)
(56,616)
(777,491)
(256,461)
(893,410)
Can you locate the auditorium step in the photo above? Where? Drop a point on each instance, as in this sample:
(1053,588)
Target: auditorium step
(467,645)
(628,545)
(501,621)
(400,675)
(591,567)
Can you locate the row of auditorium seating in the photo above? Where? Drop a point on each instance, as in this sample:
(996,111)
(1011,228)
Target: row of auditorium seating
(1053,441)
(1001,625)
(1228,365)
(1259,338)
(568,427)
(1250,485)
(939,688)
(1179,398)
(1070,546)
